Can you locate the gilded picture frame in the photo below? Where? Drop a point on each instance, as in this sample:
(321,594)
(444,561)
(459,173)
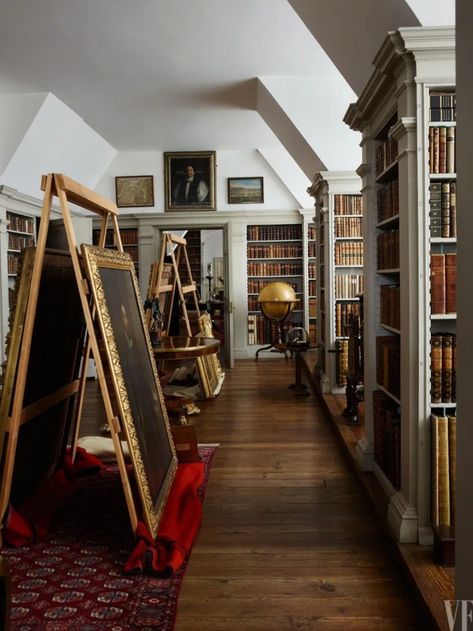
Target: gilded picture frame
(134,191)
(132,371)
(245,190)
(189,180)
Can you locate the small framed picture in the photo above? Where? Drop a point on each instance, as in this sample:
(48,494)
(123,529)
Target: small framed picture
(134,191)
(245,190)
(189,180)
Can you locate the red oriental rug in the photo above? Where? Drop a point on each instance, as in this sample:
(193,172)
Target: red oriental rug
(74,580)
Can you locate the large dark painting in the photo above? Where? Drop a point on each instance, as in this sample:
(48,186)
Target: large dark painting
(133,373)
(34,442)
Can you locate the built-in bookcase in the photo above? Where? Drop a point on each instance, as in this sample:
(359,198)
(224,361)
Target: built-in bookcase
(274,253)
(339,217)
(406,114)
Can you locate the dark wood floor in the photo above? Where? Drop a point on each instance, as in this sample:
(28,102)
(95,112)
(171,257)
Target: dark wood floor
(288,540)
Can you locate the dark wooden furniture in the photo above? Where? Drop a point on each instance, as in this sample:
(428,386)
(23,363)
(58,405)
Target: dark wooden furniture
(296,350)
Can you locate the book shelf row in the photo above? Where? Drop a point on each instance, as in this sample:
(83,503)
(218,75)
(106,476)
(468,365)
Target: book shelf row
(443,209)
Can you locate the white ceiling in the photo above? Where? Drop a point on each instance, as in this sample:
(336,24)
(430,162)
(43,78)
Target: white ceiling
(181,75)
(158,74)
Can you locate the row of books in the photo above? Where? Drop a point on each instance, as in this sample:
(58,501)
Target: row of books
(312,308)
(342,362)
(12,264)
(443,106)
(129,236)
(387,246)
(342,312)
(311,249)
(348,285)
(312,232)
(274,233)
(17,242)
(442,150)
(386,154)
(11,296)
(387,200)
(387,437)
(349,253)
(348,226)
(388,363)
(255,286)
(253,303)
(312,270)
(443,209)
(390,305)
(443,283)
(133,253)
(443,434)
(18,223)
(348,205)
(274,251)
(312,287)
(262,331)
(443,367)
(274,269)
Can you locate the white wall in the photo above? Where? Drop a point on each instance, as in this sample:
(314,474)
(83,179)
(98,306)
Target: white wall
(228,164)
(58,140)
(211,246)
(17,112)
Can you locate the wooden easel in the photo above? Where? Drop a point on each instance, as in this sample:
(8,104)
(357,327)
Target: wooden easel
(12,410)
(176,247)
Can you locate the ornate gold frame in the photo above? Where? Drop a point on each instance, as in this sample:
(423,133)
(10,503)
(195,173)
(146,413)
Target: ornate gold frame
(95,259)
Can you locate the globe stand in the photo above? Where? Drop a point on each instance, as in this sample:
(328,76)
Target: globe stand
(277,338)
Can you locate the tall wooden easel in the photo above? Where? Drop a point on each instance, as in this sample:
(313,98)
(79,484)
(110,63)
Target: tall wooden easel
(165,281)
(175,247)
(13,412)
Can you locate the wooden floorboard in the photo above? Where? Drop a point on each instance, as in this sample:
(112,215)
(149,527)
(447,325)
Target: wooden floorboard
(289,540)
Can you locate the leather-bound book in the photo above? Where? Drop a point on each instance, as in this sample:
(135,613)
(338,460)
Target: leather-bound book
(452,456)
(443,472)
(434,460)
(451,283)
(450,153)
(453,209)
(447,368)
(436,368)
(437,283)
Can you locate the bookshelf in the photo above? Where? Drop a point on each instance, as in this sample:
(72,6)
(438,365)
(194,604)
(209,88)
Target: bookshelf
(311,317)
(274,253)
(406,116)
(339,216)
(21,233)
(129,237)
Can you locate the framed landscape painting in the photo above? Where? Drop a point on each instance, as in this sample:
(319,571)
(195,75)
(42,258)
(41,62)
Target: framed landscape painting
(189,180)
(245,190)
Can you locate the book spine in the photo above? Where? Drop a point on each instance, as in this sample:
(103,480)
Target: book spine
(451,283)
(436,368)
(452,457)
(437,283)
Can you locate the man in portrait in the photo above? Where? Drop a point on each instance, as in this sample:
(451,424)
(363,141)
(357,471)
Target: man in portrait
(190,187)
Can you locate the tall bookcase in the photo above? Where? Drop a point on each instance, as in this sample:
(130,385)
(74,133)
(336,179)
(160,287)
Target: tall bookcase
(405,156)
(274,253)
(338,216)
(311,317)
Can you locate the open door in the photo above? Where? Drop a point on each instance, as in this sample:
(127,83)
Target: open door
(228,296)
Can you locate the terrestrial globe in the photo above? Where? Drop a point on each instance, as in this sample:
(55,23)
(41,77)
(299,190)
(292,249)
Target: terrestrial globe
(277,300)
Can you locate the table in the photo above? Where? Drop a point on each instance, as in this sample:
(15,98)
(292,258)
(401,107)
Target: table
(297,349)
(182,347)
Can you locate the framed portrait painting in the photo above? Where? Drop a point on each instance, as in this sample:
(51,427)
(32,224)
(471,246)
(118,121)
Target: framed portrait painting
(134,191)
(132,370)
(189,180)
(245,190)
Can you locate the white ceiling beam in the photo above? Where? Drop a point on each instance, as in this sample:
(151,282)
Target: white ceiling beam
(352,32)
(290,174)
(288,134)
